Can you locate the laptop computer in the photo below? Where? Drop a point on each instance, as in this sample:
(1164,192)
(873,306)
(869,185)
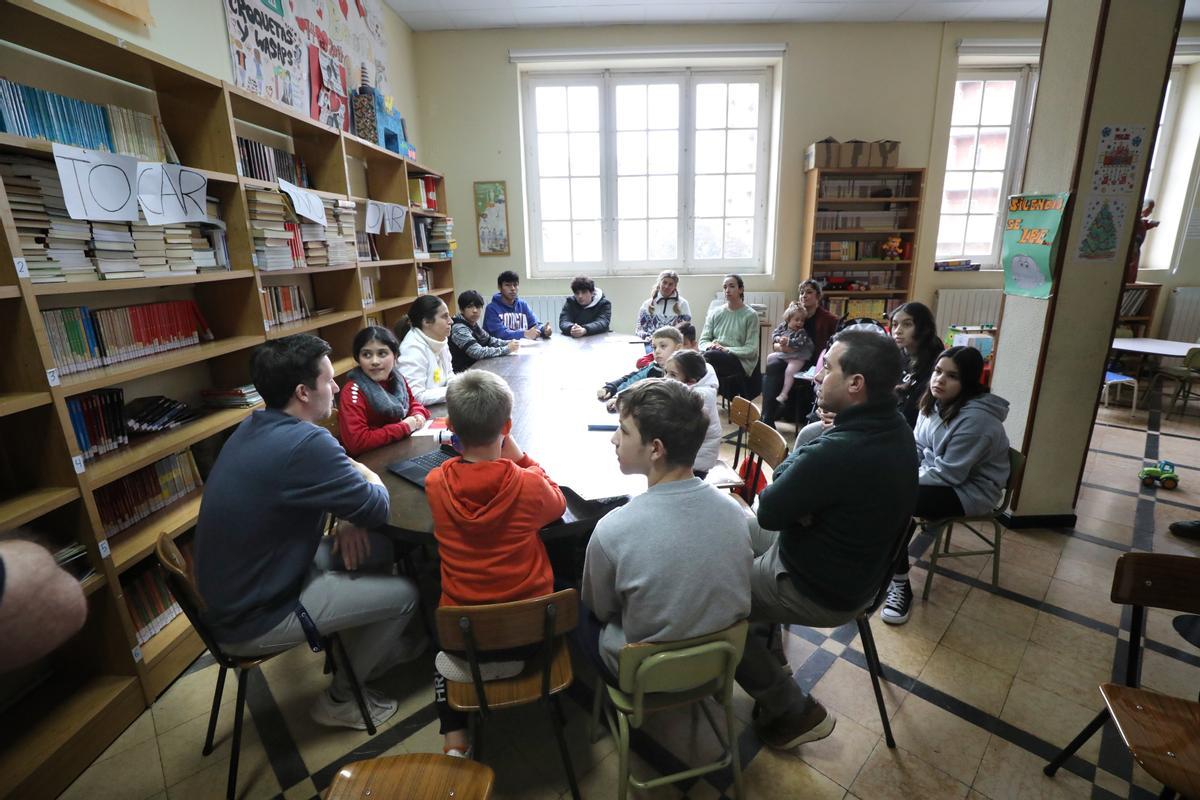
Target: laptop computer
(417,468)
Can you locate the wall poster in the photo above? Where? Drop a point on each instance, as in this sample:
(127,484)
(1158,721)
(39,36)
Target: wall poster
(491,217)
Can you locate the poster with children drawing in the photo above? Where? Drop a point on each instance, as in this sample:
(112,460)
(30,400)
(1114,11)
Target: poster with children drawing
(1118,159)
(491,217)
(1103,218)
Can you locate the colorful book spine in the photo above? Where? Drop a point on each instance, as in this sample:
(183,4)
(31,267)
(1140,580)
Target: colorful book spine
(149,600)
(82,339)
(127,501)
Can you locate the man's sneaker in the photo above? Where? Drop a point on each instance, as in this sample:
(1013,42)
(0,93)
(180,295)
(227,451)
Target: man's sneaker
(326,711)
(457,669)
(792,730)
(898,603)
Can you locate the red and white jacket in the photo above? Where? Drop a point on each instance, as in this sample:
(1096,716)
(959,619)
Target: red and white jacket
(362,428)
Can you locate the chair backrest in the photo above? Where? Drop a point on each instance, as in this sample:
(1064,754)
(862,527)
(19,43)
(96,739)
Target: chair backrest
(1016,468)
(417,776)
(331,424)
(1192,359)
(499,626)
(899,545)
(1158,580)
(656,668)
(767,443)
(742,413)
(179,581)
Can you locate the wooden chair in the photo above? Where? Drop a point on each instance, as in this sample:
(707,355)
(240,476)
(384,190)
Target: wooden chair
(419,776)
(654,676)
(179,581)
(766,446)
(1184,376)
(1141,581)
(331,424)
(1162,734)
(944,527)
(502,626)
(742,413)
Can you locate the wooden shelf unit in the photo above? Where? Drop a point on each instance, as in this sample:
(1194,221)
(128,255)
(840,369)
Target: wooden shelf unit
(98,684)
(889,281)
(1140,317)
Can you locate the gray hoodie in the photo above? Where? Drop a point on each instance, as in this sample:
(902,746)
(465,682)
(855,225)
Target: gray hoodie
(970,454)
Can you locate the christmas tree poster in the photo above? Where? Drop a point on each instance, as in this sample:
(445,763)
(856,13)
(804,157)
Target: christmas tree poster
(1102,222)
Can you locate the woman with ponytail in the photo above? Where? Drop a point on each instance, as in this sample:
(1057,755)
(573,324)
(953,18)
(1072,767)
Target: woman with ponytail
(665,308)
(425,359)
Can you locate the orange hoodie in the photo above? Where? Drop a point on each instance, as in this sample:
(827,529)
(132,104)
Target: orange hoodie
(486,518)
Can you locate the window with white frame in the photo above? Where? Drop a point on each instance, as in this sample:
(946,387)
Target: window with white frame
(1160,241)
(633,172)
(989,133)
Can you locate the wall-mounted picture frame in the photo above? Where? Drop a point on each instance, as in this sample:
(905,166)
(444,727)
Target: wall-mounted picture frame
(491,218)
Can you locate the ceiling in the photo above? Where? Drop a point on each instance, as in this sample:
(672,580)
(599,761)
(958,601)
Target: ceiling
(436,15)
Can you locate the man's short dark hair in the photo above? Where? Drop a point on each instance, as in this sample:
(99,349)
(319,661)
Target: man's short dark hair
(670,412)
(508,276)
(470,299)
(582,283)
(876,358)
(277,367)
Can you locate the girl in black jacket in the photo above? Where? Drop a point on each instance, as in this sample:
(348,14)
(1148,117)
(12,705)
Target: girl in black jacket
(915,332)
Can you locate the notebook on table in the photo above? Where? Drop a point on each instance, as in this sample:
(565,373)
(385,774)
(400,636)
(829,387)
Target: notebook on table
(417,468)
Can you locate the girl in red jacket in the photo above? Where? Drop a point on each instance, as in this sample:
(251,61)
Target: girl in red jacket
(376,407)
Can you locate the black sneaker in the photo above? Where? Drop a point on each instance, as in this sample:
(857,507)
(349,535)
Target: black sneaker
(898,603)
(792,730)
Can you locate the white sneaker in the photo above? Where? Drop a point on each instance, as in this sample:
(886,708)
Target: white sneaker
(454,752)
(454,668)
(326,711)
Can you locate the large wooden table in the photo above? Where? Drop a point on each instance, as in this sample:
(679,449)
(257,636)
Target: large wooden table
(554,383)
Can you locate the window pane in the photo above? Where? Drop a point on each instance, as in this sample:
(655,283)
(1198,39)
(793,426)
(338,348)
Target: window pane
(710,105)
(631,153)
(993,148)
(998,103)
(631,240)
(583,108)
(556,241)
(739,238)
(556,198)
(710,196)
(967,95)
(956,192)
(550,102)
(552,154)
(664,239)
(663,152)
(709,235)
(585,153)
(586,238)
(631,107)
(950,235)
(985,192)
(664,196)
(743,151)
(962,149)
(981,231)
(739,196)
(710,152)
(743,105)
(663,99)
(631,197)
(585,198)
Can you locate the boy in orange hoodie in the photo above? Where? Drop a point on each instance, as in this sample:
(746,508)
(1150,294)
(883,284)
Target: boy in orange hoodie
(489,505)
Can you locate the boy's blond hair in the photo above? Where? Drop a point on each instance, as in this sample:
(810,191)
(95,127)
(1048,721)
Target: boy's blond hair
(479,403)
(668,332)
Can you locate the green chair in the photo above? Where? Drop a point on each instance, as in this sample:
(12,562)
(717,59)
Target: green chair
(654,676)
(1184,376)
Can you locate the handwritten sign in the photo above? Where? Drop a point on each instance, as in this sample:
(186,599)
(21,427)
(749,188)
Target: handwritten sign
(393,218)
(307,204)
(97,186)
(1031,242)
(170,193)
(374,221)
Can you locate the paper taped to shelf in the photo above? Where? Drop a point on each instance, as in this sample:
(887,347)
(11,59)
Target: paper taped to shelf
(171,193)
(97,186)
(374,221)
(393,218)
(307,204)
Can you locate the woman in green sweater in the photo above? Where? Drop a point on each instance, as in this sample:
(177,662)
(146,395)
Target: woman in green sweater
(730,340)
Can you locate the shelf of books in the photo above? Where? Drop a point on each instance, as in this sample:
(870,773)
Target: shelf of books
(130,340)
(859,237)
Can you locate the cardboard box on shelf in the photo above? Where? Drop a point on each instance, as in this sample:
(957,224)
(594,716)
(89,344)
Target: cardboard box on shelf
(854,153)
(884,153)
(822,154)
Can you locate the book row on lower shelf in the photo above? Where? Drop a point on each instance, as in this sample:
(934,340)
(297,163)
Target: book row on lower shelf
(282,304)
(127,501)
(862,220)
(82,339)
(150,602)
(265,163)
(854,307)
(103,423)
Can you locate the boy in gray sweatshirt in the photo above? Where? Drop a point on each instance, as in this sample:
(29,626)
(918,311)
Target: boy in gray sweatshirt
(674,562)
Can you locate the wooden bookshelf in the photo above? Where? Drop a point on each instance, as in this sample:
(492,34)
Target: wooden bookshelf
(100,686)
(1141,313)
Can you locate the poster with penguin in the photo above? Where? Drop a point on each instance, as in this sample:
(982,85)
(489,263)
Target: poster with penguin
(1031,239)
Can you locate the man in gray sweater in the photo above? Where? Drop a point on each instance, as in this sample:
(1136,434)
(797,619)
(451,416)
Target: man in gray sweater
(268,577)
(674,562)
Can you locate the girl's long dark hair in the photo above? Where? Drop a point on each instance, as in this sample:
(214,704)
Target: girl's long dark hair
(376,333)
(425,309)
(970,371)
(921,361)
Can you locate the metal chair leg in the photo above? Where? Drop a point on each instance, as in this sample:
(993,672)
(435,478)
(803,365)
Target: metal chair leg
(556,720)
(996,531)
(335,643)
(216,710)
(872,656)
(231,787)
(1088,732)
(597,709)
(933,559)
(736,764)
(623,757)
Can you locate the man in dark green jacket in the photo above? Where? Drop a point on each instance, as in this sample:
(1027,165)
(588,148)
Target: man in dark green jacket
(838,504)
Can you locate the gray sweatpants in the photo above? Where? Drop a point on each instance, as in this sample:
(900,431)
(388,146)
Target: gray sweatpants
(369,607)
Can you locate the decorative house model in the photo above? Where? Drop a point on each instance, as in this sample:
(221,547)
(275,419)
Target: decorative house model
(378,121)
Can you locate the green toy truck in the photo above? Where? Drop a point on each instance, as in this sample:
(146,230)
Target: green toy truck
(1163,472)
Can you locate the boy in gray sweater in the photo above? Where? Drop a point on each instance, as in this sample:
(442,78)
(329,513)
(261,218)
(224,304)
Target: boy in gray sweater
(674,562)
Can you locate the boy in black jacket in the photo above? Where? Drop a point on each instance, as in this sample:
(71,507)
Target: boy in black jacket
(587,312)
(468,341)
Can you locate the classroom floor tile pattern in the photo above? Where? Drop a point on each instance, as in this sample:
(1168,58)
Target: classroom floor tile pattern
(982,685)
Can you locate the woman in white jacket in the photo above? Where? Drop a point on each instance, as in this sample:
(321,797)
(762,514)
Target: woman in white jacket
(425,349)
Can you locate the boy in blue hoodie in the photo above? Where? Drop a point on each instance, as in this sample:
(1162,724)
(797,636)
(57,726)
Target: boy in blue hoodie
(508,316)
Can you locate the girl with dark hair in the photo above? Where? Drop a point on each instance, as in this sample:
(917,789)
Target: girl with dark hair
(376,406)
(964,455)
(666,307)
(915,333)
(425,358)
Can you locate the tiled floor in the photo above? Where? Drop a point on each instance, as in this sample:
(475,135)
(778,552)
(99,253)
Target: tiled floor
(982,685)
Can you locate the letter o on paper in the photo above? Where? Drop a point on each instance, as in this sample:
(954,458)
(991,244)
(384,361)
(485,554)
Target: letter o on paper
(110,189)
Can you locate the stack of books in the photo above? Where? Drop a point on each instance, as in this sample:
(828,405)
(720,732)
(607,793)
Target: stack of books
(272,240)
(420,232)
(157,413)
(98,421)
(316,249)
(113,249)
(441,238)
(265,163)
(150,248)
(32,221)
(82,339)
(66,239)
(140,135)
(955,265)
(179,249)
(125,502)
(151,604)
(422,192)
(340,234)
(235,397)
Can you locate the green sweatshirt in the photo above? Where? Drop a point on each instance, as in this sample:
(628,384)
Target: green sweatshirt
(736,330)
